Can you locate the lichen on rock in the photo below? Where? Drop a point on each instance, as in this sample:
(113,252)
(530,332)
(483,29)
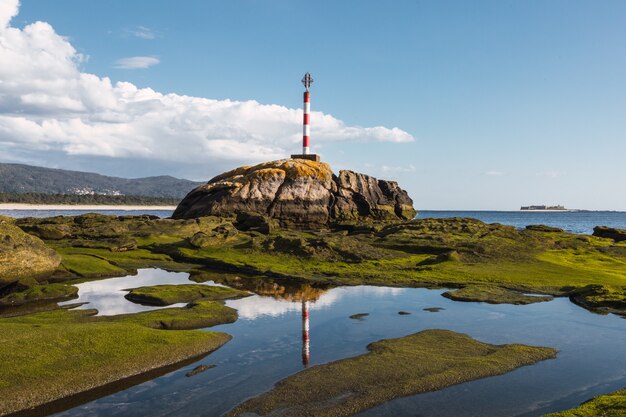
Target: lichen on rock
(298,193)
(23,257)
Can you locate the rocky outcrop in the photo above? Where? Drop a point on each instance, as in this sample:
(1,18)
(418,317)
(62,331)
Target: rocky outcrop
(23,257)
(299,193)
(617,235)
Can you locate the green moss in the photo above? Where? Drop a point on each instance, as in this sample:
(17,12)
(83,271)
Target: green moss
(609,405)
(196,315)
(601,298)
(84,265)
(39,293)
(59,353)
(163,295)
(493,295)
(425,361)
(429,252)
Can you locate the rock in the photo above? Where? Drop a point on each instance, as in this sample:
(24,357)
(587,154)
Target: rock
(617,235)
(23,257)
(124,246)
(296,193)
(198,369)
(254,222)
(50,231)
(433,309)
(543,228)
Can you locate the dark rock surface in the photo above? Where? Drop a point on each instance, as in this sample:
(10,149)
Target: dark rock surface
(297,193)
(617,235)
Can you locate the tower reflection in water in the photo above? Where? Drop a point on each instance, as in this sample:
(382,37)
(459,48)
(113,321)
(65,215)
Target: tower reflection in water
(305,333)
(280,289)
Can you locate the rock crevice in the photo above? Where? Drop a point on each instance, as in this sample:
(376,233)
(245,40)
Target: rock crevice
(298,193)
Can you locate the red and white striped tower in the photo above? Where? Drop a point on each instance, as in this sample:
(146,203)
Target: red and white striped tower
(306,131)
(305,333)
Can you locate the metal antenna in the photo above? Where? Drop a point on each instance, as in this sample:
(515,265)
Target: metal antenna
(307,80)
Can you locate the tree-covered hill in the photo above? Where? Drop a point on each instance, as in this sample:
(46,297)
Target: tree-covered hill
(20,179)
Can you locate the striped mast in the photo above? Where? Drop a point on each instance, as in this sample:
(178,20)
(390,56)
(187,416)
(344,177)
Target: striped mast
(306,131)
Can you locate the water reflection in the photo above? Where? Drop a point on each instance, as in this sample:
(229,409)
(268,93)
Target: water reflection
(305,334)
(107,295)
(295,325)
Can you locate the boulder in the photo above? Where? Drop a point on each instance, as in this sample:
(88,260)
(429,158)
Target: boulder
(617,235)
(23,257)
(296,193)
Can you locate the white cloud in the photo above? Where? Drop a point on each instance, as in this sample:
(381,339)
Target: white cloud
(550,174)
(8,9)
(49,107)
(136,62)
(143,33)
(494,173)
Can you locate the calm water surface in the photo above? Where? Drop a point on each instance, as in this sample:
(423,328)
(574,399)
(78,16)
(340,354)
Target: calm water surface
(267,346)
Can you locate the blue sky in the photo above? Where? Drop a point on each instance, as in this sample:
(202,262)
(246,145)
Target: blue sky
(498,103)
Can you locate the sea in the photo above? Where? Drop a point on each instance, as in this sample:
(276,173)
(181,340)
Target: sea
(580,222)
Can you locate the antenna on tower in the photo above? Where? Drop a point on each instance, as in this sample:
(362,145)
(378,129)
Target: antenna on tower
(307,80)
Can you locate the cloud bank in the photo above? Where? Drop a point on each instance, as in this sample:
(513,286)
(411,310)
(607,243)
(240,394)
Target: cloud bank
(48,105)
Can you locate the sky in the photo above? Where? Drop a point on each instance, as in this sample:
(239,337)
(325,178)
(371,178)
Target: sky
(482,105)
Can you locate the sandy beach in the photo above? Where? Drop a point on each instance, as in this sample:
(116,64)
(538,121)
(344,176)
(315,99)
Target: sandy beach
(18,206)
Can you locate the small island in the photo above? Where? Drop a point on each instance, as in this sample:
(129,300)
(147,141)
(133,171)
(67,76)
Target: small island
(544,207)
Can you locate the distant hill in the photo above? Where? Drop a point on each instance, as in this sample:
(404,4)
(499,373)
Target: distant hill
(20,179)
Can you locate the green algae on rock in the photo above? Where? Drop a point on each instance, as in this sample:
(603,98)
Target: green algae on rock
(164,295)
(453,252)
(39,293)
(425,361)
(61,353)
(600,298)
(494,295)
(608,405)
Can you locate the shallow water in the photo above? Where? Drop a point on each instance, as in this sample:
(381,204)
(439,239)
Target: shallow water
(107,295)
(267,346)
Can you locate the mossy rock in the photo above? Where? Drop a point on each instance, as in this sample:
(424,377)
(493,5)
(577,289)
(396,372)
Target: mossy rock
(493,295)
(163,295)
(23,256)
(618,235)
(608,405)
(601,298)
(426,361)
(39,293)
(544,228)
(56,354)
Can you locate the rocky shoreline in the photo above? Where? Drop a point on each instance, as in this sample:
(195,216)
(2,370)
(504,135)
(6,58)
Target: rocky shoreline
(280,224)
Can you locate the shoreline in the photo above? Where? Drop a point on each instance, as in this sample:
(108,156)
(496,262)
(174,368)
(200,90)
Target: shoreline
(22,206)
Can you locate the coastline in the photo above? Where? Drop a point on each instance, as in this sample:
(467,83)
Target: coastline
(21,206)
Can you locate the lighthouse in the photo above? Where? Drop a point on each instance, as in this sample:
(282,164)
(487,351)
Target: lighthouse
(307,80)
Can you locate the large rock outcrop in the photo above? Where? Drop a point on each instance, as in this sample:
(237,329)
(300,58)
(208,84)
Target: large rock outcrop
(298,193)
(23,257)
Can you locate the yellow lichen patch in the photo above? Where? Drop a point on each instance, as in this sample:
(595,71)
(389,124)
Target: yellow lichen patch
(233,173)
(305,168)
(267,173)
(293,168)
